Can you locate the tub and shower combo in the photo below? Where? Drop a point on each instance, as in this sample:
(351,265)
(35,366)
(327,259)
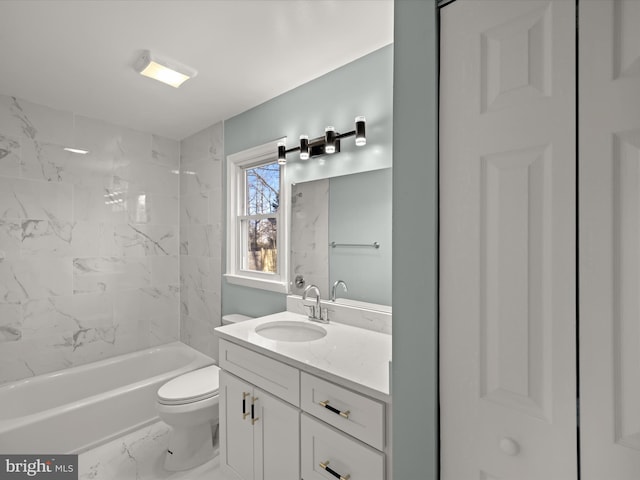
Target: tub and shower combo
(73,410)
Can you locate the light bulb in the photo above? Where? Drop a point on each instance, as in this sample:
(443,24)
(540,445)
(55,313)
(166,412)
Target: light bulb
(304,147)
(282,154)
(330,140)
(361,138)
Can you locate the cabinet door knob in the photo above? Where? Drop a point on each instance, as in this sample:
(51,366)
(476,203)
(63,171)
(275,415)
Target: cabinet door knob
(325,466)
(326,405)
(509,446)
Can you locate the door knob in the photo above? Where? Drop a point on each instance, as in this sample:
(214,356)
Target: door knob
(509,446)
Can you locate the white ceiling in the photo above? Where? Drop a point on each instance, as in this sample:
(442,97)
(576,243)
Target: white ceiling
(78,55)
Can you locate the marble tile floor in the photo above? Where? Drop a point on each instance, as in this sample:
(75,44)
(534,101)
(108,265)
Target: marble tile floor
(140,456)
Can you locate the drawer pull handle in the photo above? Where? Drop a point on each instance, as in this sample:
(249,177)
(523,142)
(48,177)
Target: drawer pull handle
(326,405)
(244,405)
(254,419)
(325,466)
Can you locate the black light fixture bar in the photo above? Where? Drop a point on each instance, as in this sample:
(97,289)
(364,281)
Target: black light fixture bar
(317,146)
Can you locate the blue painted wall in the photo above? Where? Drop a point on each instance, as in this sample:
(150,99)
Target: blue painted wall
(415,208)
(360,212)
(362,87)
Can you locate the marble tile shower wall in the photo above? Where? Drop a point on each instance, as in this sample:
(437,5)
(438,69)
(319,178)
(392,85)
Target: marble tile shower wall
(89,244)
(201,219)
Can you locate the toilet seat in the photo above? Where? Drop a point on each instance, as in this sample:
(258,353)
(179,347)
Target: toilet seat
(191,387)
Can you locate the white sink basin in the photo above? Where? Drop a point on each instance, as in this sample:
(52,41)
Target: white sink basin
(288,331)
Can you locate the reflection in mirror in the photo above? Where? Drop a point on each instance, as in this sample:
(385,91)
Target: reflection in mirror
(354,213)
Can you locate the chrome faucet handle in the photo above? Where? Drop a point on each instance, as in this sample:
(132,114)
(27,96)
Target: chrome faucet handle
(312,311)
(316,311)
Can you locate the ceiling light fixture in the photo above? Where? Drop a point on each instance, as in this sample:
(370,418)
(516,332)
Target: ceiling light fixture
(329,143)
(162,69)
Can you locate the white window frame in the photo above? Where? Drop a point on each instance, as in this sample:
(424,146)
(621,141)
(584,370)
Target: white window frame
(236,165)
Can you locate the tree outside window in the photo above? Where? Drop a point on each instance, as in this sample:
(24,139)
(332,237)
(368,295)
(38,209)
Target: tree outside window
(260,226)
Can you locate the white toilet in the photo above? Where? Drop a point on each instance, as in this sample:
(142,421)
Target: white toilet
(189,404)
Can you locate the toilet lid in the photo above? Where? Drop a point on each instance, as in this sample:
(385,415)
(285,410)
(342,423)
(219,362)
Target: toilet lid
(190,387)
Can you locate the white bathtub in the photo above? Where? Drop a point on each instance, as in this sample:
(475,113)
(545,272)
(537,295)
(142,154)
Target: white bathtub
(76,409)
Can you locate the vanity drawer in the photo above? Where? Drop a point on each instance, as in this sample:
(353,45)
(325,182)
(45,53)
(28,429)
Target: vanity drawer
(359,416)
(275,377)
(323,445)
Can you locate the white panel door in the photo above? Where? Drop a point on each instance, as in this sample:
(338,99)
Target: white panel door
(507,240)
(609,153)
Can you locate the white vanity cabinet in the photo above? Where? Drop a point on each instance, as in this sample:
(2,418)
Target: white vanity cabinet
(327,453)
(326,449)
(259,432)
(307,423)
(359,416)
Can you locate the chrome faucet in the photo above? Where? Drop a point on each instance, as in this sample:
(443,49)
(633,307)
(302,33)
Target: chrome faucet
(315,311)
(336,284)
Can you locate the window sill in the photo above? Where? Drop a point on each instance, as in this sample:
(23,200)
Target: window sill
(272,286)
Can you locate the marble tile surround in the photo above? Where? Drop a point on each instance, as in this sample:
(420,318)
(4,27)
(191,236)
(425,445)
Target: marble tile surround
(89,244)
(201,218)
(310,234)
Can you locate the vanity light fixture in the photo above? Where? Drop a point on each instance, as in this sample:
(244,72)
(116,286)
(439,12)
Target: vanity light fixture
(282,153)
(329,143)
(361,138)
(304,147)
(330,140)
(164,70)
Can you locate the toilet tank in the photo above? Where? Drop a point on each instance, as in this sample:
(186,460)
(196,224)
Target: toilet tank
(234,318)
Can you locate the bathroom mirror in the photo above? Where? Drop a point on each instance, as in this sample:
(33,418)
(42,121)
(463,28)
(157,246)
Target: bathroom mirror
(341,230)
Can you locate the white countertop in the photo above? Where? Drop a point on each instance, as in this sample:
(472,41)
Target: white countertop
(353,357)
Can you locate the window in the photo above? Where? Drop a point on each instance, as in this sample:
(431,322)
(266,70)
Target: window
(259,224)
(257,219)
